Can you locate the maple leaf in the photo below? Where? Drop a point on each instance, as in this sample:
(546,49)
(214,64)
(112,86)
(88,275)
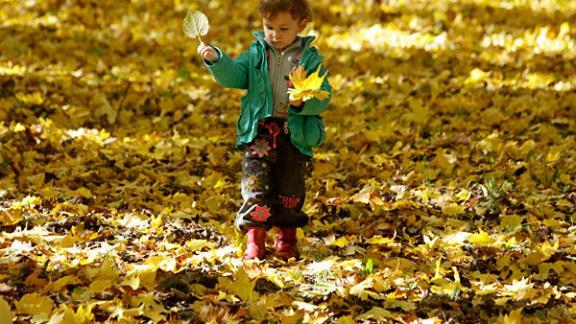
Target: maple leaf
(241,285)
(65,314)
(6,314)
(378,314)
(149,306)
(261,213)
(520,289)
(481,238)
(514,317)
(306,88)
(40,307)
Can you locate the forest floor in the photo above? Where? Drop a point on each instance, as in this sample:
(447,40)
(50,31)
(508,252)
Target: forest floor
(444,191)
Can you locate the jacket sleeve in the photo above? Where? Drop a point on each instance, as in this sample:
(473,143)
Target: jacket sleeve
(316,106)
(230,73)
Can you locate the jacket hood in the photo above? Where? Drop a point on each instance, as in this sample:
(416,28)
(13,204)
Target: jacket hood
(306,40)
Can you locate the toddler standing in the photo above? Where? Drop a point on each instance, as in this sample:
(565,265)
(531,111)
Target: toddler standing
(275,134)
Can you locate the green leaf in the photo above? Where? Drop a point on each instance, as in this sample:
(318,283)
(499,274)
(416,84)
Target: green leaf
(368,267)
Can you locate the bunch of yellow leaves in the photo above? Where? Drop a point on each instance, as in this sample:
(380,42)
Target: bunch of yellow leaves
(306,88)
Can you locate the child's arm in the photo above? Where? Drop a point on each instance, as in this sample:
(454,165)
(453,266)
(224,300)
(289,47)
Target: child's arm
(315,106)
(227,72)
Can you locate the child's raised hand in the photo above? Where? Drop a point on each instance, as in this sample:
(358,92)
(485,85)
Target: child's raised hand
(207,52)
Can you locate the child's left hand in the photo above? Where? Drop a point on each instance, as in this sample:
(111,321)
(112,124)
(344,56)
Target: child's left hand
(296,103)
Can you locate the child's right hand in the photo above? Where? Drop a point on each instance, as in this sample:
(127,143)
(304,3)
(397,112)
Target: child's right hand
(208,53)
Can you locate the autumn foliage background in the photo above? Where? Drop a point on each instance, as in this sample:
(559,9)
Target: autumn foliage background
(445,189)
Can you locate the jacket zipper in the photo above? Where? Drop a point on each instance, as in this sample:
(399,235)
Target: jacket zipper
(278,76)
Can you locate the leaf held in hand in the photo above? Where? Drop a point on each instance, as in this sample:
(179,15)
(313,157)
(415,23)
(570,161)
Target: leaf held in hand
(196,24)
(306,88)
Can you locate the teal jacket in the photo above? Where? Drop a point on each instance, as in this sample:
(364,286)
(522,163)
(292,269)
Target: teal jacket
(250,71)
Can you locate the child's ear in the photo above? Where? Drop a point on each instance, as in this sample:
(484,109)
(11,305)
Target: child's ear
(302,24)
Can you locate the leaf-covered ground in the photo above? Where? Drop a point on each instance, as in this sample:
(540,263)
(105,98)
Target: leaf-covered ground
(445,190)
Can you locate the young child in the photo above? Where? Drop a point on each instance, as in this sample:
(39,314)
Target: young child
(275,134)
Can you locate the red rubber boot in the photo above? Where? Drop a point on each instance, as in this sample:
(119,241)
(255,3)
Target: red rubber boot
(286,244)
(256,245)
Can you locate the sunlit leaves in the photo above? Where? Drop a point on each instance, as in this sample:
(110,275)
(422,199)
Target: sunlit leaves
(380,38)
(542,40)
(444,190)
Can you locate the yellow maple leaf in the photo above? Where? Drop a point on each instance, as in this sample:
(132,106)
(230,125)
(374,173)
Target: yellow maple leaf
(84,192)
(548,249)
(481,238)
(306,88)
(66,314)
(511,221)
(340,242)
(514,317)
(258,309)
(17,128)
(149,307)
(453,209)
(379,240)
(377,313)
(443,286)
(420,112)
(520,289)
(477,75)
(100,285)
(108,270)
(59,284)
(6,314)
(164,262)
(197,245)
(141,275)
(364,290)
(346,320)
(241,286)
(10,217)
(31,201)
(132,282)
(40,307)
(156,221)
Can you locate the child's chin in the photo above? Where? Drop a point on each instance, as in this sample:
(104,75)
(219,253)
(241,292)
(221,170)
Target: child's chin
(278,45)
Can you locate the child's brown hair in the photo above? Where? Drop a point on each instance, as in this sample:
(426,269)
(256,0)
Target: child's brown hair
(299,9)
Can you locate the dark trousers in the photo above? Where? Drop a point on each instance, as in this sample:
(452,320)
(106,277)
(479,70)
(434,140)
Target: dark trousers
(273,172)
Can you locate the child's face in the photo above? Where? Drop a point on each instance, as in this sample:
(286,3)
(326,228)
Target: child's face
(282,29)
